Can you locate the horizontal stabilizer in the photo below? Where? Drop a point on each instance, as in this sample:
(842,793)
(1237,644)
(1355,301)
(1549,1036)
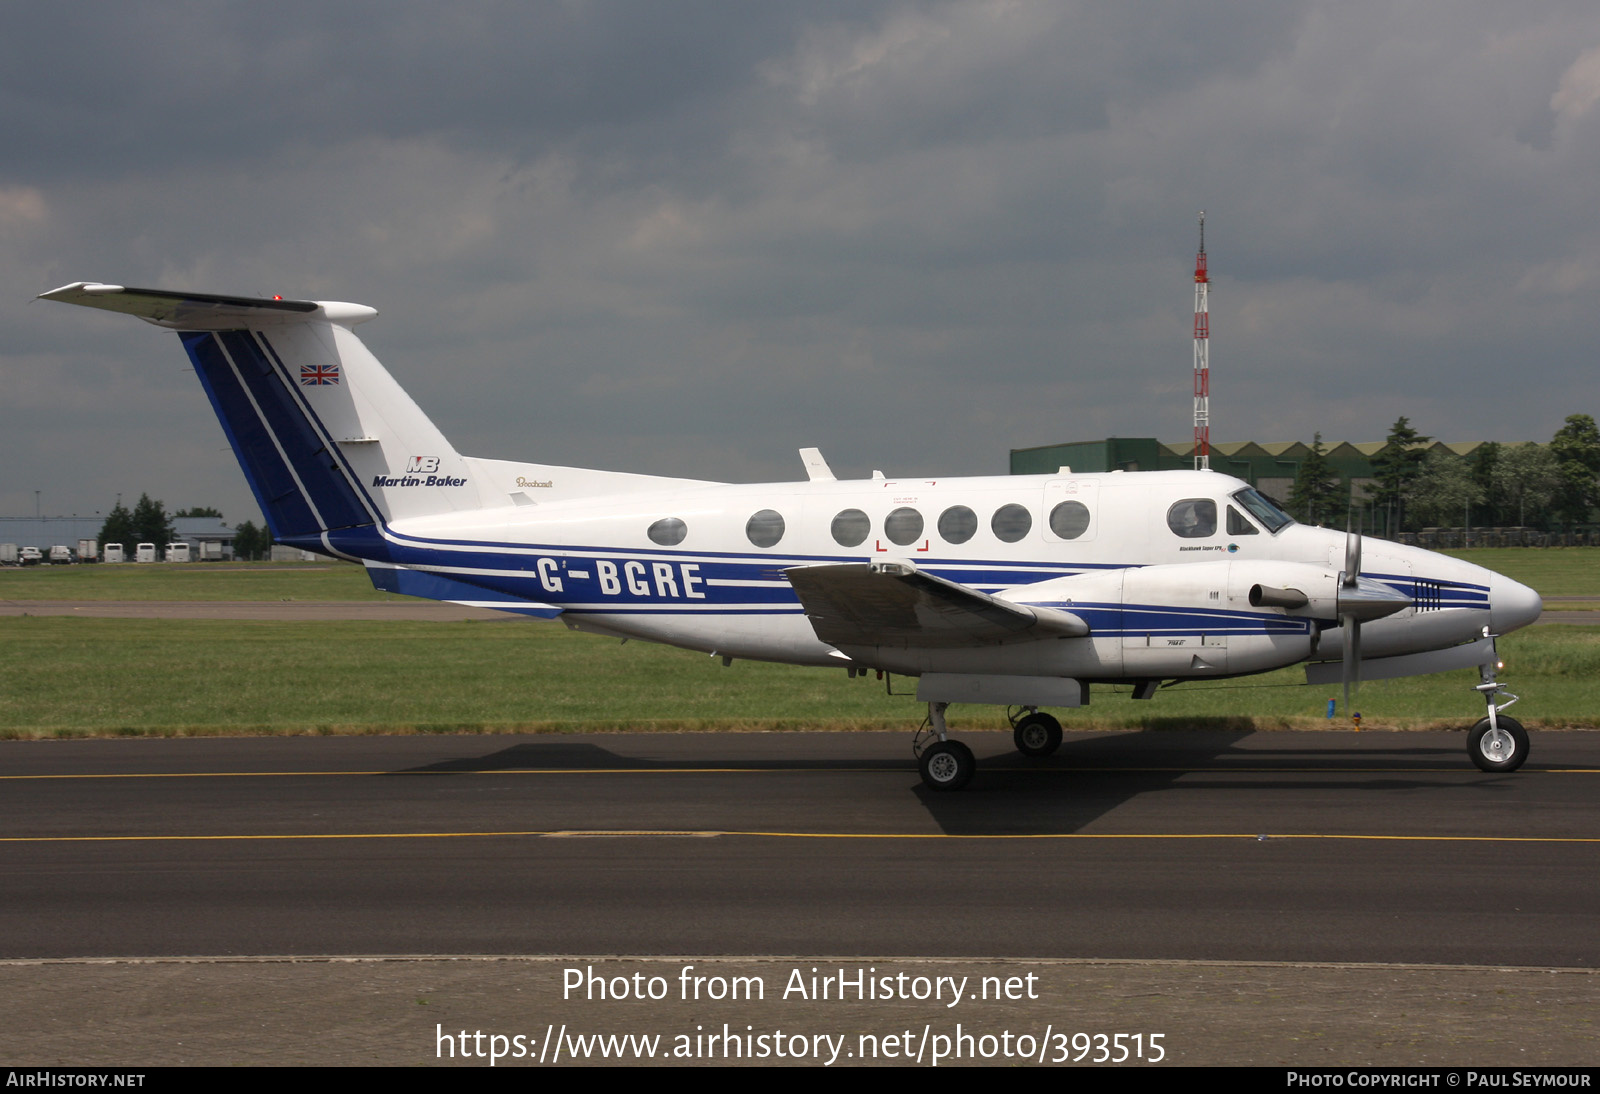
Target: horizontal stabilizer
(894,603)
(204,311)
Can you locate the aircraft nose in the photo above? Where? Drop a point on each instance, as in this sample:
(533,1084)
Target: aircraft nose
(1511,605)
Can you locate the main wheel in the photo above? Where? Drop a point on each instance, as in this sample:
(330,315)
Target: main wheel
(1037,735)
(947,765)
(1502,748)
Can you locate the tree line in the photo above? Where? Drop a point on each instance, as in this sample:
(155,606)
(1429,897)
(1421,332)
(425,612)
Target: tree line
(1550,487)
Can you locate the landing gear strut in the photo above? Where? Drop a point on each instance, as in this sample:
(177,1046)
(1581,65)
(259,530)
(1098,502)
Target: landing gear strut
(1497,743)
(945,764)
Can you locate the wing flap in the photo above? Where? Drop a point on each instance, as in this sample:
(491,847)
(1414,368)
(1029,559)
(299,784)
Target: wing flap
(895,604)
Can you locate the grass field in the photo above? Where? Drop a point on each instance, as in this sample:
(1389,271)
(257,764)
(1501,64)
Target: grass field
(1553,571)
(192,581)
(72,677)
(69,677)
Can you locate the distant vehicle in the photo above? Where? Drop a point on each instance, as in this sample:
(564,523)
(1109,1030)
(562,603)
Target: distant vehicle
(88,550)
(30,556)
(9,555)
(177,552)
(61,555)
(145,552)
(112,553)
(210,551)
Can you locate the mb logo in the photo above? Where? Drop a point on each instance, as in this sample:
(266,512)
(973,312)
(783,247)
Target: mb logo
(422,464)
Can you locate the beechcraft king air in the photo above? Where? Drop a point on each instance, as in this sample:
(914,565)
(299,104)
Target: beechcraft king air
(1022,591)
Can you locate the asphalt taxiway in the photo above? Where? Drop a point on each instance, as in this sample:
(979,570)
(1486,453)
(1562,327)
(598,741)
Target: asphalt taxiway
(1368,847)
(1279,898)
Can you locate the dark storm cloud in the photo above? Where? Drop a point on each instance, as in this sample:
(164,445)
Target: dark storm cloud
(691,237)
(101,90)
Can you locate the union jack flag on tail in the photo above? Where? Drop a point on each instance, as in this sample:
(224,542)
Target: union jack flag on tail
(317,375)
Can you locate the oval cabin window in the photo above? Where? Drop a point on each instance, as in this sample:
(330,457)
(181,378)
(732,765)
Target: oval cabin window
(850,528)
(668,531)
(765,528)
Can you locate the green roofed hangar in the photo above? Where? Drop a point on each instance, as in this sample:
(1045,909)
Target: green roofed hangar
(1269,466)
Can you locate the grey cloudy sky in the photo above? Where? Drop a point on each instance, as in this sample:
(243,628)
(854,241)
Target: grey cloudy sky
(689,238)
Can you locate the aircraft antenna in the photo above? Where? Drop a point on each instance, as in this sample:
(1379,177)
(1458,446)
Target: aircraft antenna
(1202,356)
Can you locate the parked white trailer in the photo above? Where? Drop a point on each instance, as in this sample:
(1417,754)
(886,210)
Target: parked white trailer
(61,555)
(177,552)
(9,555)
(145,552)
(112,553)
(88,551)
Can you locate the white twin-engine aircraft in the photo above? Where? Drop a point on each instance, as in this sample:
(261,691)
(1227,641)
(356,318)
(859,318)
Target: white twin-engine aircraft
(1021,591)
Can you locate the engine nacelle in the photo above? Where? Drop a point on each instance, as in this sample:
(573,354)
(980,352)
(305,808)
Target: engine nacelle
(1206,618)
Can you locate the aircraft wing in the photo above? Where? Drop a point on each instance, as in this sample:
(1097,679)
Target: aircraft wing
(894,603)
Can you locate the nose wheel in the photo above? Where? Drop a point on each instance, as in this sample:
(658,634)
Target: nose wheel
(1499,747)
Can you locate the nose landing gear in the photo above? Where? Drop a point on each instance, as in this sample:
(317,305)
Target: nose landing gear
(1498,743)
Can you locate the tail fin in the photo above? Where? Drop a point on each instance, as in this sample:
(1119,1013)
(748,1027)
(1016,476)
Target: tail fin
(331,445)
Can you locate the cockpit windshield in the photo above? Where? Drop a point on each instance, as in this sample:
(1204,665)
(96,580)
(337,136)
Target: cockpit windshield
(1271,517)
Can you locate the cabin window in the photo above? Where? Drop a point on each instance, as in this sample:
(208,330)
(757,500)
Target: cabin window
(903,526)
(850,528)
(765,528)
(1069,520)
(1193,518)
(1011,522)
(668,531)
(1238,526)
(957,524)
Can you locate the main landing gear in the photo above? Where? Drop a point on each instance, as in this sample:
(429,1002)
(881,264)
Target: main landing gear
(1036,734)
(945,764)
(949,765)
(1497,743)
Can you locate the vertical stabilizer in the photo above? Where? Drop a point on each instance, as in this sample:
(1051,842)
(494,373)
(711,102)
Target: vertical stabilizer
(331,445)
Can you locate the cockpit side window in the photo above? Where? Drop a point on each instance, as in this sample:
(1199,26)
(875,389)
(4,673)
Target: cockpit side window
(1271,517)
(1193,518)
(1238,525)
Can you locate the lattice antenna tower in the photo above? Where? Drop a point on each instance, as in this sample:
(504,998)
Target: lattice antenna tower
(1202,356)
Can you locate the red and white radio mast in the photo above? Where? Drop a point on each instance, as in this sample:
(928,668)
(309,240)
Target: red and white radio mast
(1202,357)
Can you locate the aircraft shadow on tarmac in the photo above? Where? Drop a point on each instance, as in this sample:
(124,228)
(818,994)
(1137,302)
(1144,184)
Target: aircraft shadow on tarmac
(1013,795)
(559,755)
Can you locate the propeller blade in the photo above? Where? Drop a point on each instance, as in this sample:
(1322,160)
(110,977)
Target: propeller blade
(1351,621)
(1352,659)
